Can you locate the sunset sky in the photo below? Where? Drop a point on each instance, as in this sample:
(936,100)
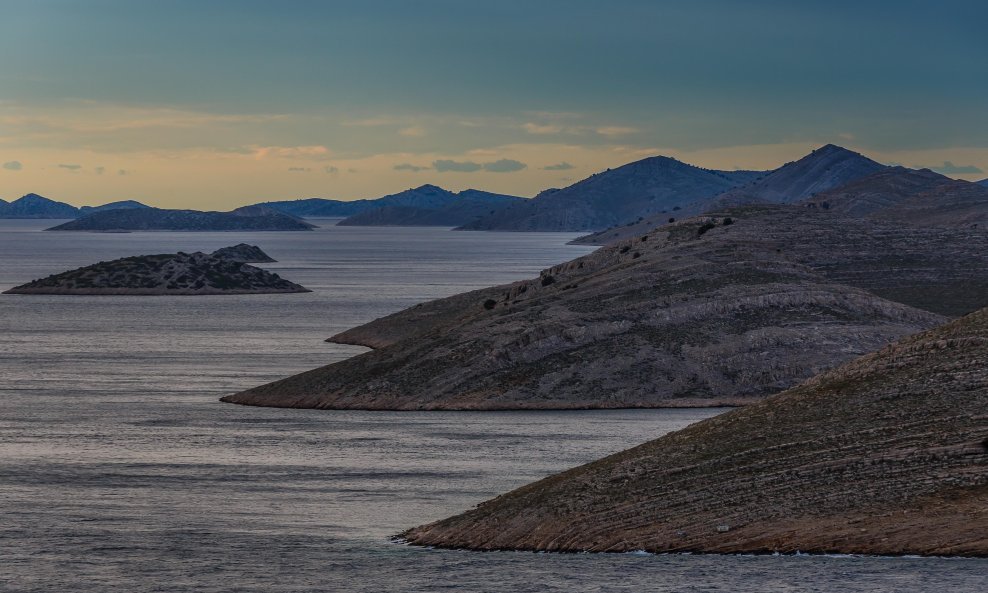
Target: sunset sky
(222,103)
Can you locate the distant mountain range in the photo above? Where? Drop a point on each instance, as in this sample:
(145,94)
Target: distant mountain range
(248,218)
(443,209)
(427,205)
(35,206)
(615,196)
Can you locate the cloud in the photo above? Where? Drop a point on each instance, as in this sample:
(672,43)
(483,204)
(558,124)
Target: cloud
(299,169)
(412,131)
(501,166)
(615,130)
(122,172)
(409,167)
(331,169)
(949,168)
(291,152)
(533,128)
(13,166)
(69,167)
(504,166)
(444,166)
(563,166)
(100,170)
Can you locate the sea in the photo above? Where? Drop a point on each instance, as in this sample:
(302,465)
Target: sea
(121,471)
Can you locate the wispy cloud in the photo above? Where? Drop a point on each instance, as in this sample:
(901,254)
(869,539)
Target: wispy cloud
(563,166)
(99,170)
(412,131)
(330,169)
(69,167)
(292,152)
(299,169)
(611,131)
(444,166)
(409,167)
(541,129)
(13,166)
(949,168)
(505,166)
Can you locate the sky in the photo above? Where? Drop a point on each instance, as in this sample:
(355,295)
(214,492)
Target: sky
(215,104)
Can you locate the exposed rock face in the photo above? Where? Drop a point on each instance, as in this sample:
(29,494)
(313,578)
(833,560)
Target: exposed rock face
(249,218)
(35,206)
(244,253)
(168,274)
(467,206)
(614,197)
(697,313)
(885,455)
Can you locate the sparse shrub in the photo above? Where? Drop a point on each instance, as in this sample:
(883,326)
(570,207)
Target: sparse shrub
(490,304)
(547,280)
(704,228)
(625,248)
(672,220)
(728,221)
(636,255)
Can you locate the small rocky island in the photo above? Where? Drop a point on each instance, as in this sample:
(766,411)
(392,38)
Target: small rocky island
(225,271)
(248,218)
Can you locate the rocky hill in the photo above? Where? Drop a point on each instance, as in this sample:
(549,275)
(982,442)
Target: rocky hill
(248,218)
(121,205)
(885,455)
(719,309)
(983,182)
(467,206)
(613,197)
(909,196)
(35,206)
(168,274)
(917,197)
(320,207)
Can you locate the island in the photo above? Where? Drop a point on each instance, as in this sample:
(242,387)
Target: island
(248,218)
(224,271)
(884,455)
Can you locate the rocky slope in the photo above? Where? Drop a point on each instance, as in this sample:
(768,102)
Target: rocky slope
(885,455)
(248,218)
(714,310)
(613,197)
(121,205)
(167,274)
(915,197)
(467,206)
(983,182)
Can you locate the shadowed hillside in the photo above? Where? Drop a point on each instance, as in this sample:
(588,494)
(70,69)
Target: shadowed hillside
(885,455)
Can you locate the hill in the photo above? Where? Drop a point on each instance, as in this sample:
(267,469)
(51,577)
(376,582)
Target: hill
(244,253)
(466,206)
(983,182)
(908,196)
(167,274)
(319,207)
(121,205)
(613,197)
(248,218)
(35,206)
(918,197)
(714,310)
(885,455)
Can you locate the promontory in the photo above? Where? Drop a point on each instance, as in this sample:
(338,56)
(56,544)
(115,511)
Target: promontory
(885,455)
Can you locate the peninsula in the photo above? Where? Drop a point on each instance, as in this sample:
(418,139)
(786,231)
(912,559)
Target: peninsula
(248,218)
(885,455)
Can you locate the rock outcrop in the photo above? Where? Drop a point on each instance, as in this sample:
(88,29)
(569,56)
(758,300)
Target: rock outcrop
(885,455)
(719,309)
(244,253)
(248,218)
(167,274)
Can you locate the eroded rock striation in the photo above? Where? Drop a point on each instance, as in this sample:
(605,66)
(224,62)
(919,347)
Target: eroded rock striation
(885,455)
(721,309)
(221,272)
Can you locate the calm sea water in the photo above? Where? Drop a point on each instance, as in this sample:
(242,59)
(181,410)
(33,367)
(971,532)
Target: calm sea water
(120,470)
